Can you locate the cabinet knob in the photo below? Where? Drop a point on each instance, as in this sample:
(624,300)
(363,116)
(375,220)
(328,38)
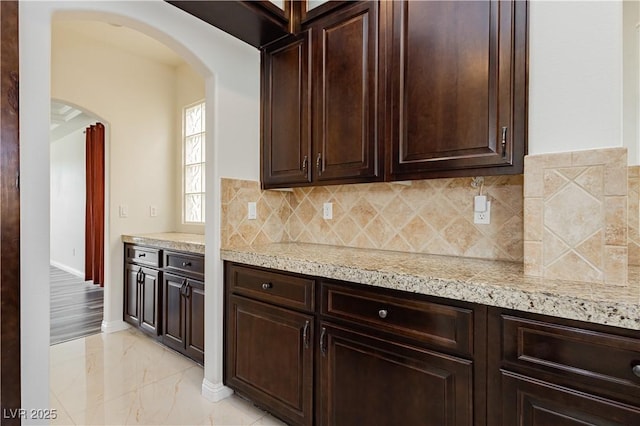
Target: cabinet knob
(186,264)
(636,370)
(266,286)
(382,313)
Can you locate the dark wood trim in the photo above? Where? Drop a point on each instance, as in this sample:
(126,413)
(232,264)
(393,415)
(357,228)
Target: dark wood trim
(9,213)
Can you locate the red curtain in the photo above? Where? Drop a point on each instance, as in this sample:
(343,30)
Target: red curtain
(94,220)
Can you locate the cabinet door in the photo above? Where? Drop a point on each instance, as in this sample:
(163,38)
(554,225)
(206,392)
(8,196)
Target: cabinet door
(269,357)
(149,301)
(369,381)
(131,289)
(458,88)
(194,327)
(286,139)
(173,311)
(345,78)
(531,402)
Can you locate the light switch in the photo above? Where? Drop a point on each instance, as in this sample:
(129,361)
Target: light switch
(123,210)
(251,210)
(153,211)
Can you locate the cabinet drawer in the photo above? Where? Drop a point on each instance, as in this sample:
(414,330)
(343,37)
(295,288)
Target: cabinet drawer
(279,288)
(584,357)
(439,325)
(143,255)
(183,263)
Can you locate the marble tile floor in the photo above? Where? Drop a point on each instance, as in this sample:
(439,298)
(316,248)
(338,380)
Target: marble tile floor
(126,378)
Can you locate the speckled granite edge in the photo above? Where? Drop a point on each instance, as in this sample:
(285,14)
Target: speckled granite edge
(500,284)
(171,241)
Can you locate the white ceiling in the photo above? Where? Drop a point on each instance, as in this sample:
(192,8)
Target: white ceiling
(66,119)
(121,37)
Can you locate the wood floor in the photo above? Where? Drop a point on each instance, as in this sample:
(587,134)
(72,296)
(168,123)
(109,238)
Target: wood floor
(76,306)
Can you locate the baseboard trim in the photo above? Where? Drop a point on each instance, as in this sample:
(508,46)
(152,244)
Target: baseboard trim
(113,326)
(215,392)
(66,268)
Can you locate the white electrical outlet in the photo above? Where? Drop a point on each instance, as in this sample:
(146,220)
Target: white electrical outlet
(153,211)
(251,210)
(483,218)
(327,211)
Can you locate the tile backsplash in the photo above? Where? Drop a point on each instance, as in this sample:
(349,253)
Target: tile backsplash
(576,217)
(425,216)
(634,215)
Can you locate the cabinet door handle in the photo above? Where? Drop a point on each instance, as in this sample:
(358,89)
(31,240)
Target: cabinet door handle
(266,286)
(319,164)
(182,287)
(305,335)
(305,164)
(504,142)
(186,263)
(141,277)
(636,370)
(138,276)
(187,290)
(382,313)
(323,347)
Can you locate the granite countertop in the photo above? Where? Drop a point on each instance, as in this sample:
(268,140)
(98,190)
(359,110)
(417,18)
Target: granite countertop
(192,243)
(494,283)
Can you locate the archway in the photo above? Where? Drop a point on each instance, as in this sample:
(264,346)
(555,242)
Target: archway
(235,137)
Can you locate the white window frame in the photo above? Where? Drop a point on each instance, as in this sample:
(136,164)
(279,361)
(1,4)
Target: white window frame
(183,190)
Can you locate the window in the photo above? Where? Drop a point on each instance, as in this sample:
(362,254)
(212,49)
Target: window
(193,164)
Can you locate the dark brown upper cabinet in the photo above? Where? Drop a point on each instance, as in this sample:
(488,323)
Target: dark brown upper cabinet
(255,22)
(345,95)
(320,97)
(286,109)
(457,88)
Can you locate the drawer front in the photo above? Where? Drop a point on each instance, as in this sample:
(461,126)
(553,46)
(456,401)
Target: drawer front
(442,326)
(183,263)
(582,356)
(279,288)
(143,255)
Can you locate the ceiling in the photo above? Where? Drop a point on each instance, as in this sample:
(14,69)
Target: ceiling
(66,119)
(121,37)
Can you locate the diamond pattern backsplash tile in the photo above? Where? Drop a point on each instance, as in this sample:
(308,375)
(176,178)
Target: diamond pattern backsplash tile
(576,221)
(634,215)
(427,216)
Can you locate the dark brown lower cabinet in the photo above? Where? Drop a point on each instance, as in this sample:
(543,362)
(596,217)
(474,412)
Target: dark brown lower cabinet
(141,298)
(183,313)
(530,402)
(372,381)
(546,371)
(386,357)
(269,357)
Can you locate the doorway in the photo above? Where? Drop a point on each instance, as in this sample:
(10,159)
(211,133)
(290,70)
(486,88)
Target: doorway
(76,303)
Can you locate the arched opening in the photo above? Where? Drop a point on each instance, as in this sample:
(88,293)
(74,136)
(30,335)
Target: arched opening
(234,137)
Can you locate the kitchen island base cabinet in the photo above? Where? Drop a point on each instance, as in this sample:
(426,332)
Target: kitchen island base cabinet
(369,381)
(269,357)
